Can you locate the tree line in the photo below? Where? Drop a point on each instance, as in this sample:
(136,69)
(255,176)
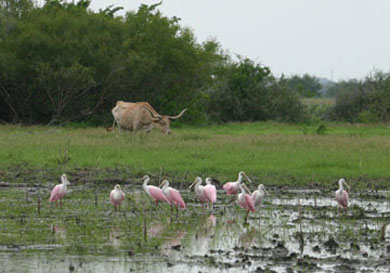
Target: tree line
(63,62)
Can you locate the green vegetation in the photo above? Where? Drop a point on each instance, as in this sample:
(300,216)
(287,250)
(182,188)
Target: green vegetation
(365,101)
(62,63)
(248,92)
(87,222)
(307,86)
(273,153)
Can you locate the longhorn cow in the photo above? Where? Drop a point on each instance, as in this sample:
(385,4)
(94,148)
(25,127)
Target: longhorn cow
(140,116)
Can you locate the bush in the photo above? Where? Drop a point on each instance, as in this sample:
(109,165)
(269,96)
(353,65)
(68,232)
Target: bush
(364,101)
(246,91)
(62,63)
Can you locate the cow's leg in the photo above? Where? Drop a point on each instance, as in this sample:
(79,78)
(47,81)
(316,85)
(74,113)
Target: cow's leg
(136,126)
(149,128)
(112,127)
(116,122)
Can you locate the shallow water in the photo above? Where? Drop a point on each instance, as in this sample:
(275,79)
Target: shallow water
(295,231)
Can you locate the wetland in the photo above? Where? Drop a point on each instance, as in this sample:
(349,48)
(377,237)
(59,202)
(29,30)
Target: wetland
(296,230)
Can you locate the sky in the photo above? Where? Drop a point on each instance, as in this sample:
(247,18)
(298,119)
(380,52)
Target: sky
(334,39)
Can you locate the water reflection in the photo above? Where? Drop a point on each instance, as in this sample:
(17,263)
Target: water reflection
(203,235)
(174,242)
(114,237)
(58,232)
(249,237)
(277,238)
(155,229)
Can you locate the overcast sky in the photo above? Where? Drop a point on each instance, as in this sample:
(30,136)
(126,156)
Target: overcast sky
(340,38)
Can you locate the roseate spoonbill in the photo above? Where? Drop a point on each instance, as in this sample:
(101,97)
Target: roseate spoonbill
(210,191)
(341,194)
(258,195)
(117,196)
(59,190)
(232,188)
(245,200)
(173,195)
(153,191)
(199,190)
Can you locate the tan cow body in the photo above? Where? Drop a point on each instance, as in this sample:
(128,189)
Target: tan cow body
(140,116)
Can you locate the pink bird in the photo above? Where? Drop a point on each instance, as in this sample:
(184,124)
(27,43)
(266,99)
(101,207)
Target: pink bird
(173,195)
(59,190)
(232,188)
(153,191)
(199,190)
(258,195)
(210,192)
(245,200)
(117,196)
(342,195)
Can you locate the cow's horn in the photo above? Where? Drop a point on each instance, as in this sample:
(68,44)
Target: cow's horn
(179,115)
(154,116)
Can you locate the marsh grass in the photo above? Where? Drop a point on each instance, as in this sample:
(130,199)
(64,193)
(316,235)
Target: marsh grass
(92,231)
(273,153)
(81,226)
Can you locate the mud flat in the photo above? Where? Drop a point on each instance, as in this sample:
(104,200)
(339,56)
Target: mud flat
(297,230)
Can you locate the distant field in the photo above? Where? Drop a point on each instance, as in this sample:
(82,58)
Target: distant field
(272,153)
(318,101)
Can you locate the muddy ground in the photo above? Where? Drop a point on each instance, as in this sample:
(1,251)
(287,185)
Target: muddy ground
(296,230)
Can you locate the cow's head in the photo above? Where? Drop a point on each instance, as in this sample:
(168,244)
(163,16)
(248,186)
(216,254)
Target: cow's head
(164,121)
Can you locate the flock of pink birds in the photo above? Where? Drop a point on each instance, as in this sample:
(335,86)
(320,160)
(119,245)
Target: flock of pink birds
(206,194)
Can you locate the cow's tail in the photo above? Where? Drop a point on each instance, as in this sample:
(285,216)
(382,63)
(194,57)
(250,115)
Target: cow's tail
(109,129)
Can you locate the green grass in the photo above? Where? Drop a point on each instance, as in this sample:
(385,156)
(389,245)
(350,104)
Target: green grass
(83,227)
(318,101)
(273,153)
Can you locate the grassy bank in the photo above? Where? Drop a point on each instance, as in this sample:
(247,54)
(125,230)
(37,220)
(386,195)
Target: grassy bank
(273,153)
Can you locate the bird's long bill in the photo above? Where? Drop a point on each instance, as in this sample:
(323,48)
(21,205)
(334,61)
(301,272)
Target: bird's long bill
(266,191)
(246,188)
(193,183)
(143,177)
(65,179)
(247,178)
(345,183)
(161,184)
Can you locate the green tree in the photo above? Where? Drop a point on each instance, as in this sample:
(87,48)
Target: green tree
(63,62)
(364,101)
(307,86)
(245,91)
(349,100)
(377,100)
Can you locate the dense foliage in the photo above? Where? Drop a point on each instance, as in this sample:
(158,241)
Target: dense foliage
(364,101)
(307,86)
(63,62)
(246,91)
